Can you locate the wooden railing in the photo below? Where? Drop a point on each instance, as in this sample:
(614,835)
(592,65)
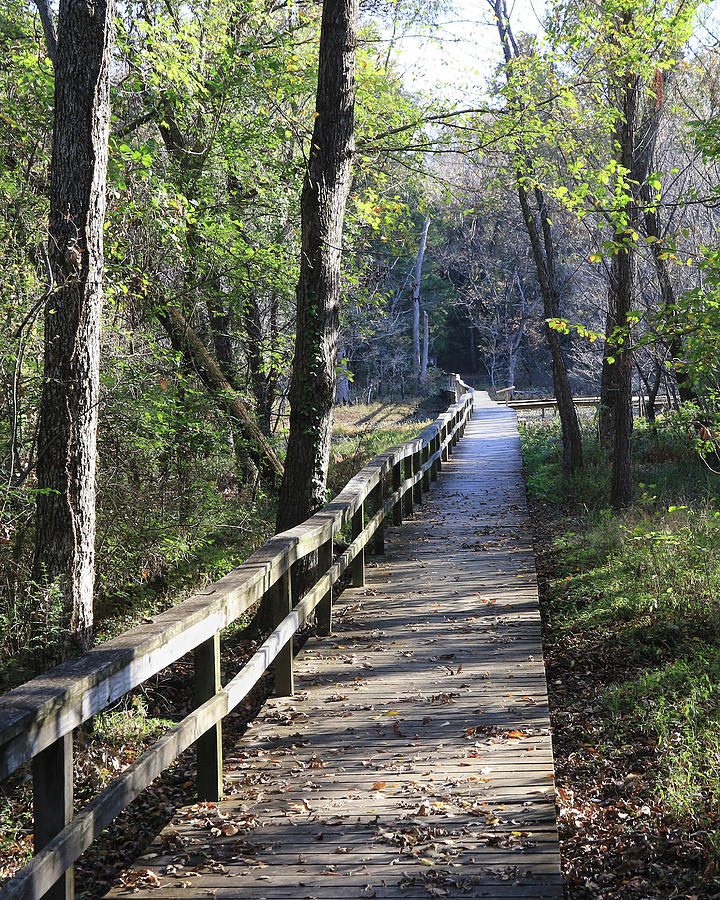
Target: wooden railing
(551,403)
(38,718)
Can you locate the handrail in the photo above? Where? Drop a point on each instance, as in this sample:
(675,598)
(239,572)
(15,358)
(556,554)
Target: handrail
(37,719)
(549,402)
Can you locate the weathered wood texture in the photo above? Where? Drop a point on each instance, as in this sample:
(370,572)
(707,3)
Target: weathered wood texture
(415,758)
(43,712)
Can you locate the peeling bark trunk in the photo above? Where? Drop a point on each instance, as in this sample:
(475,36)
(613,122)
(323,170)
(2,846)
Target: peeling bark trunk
(324,196)
(65,524)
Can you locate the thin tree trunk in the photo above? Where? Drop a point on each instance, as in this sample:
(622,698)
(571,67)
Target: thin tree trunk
(472,348)
(65,525)
(259,382)
(48,26)
(324,196)
(343,385)
(183,338)
(220,328)
(417,372)
(425,351)
(543,249)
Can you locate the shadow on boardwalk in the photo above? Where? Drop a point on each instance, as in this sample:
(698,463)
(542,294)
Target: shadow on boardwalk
(415,758)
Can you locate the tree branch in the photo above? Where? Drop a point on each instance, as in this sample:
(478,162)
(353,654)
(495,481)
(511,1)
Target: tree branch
(48,26)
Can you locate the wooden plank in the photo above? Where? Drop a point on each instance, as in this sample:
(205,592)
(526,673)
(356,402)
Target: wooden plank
(53,805)
(282,608)
(358,566)
(209,745)
(324,607)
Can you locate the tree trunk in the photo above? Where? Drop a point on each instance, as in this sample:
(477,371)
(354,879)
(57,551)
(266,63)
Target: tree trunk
(425,351)
(417,372)
(473,348)
(259,380)
(220,328)
(616,419)
(324,196)
(184,339)
(543,249)
(544,256)
(343,384)
(65,525)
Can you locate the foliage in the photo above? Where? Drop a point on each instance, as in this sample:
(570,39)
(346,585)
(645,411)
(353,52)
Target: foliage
(643,587)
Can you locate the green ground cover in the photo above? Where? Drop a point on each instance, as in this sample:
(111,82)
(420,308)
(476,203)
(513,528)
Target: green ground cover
(631,603)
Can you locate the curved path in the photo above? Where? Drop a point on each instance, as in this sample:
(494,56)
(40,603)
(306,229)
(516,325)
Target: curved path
(415,758)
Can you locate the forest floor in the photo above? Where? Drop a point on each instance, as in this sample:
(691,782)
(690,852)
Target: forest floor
(631,625)
(118,736)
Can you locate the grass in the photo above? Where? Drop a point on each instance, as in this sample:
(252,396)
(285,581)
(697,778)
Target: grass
(641,590)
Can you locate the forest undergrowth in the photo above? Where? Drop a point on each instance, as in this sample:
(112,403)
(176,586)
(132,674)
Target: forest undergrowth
(121,733)
(631,617)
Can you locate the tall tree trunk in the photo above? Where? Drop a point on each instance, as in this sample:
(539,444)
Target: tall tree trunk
(220,330)
(324,196)
(543,249)
(425,351)
(417,372)
(259,381)
(65,525)
(343,384)
(667,292)
(616,419)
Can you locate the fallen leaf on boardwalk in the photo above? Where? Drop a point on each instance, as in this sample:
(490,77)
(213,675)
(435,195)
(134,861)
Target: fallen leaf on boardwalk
(229,829)
(316,762)
(379,785)
(516,734)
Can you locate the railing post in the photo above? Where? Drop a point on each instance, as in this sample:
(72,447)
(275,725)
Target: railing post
(208,747)
(408,498)
(52,772)
(396,482)
(426,472)
(358,564)
(434,444)
(281,606)
(378,494)
(445,455)
(417,466)
(324,607)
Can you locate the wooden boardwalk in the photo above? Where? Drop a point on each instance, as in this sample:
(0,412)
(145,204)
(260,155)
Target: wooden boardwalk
(415,758)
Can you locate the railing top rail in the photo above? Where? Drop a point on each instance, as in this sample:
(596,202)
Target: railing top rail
(37,713)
